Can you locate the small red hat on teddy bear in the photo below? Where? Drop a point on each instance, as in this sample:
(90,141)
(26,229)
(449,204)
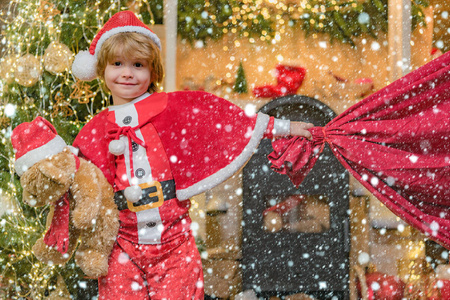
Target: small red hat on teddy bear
(34,141)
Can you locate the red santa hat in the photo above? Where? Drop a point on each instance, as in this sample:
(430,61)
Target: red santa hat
(85,62)
(34,141)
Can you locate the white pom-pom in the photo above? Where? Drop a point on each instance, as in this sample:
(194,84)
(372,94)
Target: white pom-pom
(117,147)
(84,66)
(133,193)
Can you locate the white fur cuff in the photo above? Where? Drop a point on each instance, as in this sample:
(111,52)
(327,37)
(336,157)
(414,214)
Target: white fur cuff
(281,127)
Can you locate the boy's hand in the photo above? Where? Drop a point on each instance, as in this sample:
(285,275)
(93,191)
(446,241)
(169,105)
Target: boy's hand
(301,129)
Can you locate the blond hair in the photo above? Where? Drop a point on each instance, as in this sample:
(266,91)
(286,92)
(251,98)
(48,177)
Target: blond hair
(136,46)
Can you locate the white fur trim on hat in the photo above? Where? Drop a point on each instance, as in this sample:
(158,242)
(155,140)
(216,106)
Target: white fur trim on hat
(84,66)
(116,30)
(27,160)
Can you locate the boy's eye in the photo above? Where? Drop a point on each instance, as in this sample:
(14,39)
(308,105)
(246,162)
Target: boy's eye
(139,65)
(116,63)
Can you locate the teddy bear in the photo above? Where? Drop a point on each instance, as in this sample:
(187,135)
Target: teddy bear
(50,174)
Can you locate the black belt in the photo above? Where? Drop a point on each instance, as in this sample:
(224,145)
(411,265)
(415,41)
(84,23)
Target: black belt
(153,195)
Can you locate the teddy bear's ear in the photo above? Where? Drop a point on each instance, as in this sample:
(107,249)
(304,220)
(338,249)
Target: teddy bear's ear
(58,175)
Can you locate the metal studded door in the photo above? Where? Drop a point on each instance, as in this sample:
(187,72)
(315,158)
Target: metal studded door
(296,240)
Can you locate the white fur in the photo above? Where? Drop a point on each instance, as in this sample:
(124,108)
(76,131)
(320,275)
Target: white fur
(138,29)
(281,127)
(84,66)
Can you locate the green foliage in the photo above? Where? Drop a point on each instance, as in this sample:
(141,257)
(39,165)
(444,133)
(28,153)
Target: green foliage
(353,18)
(19,232)
(340,20)
(195,21)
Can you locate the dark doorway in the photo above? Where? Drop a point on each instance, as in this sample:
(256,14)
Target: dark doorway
(296,240)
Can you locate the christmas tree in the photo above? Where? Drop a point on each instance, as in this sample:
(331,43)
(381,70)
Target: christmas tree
(40,39)
(240,85)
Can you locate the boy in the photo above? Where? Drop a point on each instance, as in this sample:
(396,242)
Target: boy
(157,150)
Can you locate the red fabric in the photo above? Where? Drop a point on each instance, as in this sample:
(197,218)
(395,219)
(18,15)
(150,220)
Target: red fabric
(200,132)
(269,131)
(396,143)
(286,205)
(58,233)
(29,136)
(384,287)
(444,288)
(168,271)
(119,21)
(130,132)
(289,80)
(290,76)
(214,132)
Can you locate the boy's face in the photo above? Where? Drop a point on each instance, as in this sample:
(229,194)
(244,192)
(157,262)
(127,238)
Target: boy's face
(127,78)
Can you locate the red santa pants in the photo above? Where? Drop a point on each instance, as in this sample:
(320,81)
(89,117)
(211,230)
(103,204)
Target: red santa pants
(140,272)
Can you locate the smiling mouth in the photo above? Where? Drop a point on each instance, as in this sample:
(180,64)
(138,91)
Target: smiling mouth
(126,83)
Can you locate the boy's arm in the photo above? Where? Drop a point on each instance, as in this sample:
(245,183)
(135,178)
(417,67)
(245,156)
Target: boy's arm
(301,129)
(279,128)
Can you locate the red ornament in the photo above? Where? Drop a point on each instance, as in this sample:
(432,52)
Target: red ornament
(385,287)
(289,80)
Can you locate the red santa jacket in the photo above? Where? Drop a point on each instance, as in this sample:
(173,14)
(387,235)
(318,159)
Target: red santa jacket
(206,138)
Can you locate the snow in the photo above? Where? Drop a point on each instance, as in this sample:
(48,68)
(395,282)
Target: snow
(413,158)
(364,18)
(363,258)
(374,181)
(375,286)
(434,226)
(250,110)
(375,46)
(323,44)
(123,258)
(10,110)
(199,44)
(135,286)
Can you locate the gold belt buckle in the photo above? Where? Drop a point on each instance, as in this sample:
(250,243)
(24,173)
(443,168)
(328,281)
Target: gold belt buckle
(158,193)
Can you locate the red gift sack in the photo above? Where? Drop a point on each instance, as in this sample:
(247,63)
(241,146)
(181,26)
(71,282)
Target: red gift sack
(396,142)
